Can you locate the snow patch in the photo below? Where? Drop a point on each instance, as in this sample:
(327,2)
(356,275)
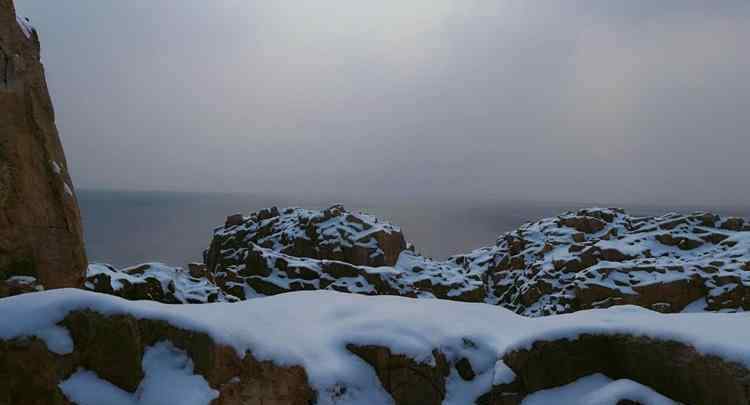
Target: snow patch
(597,389)
(168,379)
(503,374)
(56,167)
(25,26)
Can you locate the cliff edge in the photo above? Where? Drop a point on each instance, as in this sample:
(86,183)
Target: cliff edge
(41,243)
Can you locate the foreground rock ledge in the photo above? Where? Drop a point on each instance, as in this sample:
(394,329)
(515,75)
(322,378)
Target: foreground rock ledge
(113,346)
(40,224)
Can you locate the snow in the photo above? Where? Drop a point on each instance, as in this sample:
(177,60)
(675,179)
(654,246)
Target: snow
(698,305)
(22,279)
(56,167)
(86,388)
(313,328)
(25,26)
(168,379)
(597,389)
(503,374)
(58,170)
(187,289)
(460,392)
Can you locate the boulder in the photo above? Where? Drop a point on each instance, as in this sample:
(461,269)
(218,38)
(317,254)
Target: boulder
(585,224)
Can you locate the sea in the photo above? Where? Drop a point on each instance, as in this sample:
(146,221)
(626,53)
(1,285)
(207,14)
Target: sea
(126,228)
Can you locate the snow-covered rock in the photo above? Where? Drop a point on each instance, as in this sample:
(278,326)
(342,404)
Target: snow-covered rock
(270,252)
(596,258)
(593,258)
(331,234)
(333,348)
(155,282)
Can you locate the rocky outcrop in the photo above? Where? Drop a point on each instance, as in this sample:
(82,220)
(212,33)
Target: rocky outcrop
(155,282)
(597,258)
(271,252)
(593,258)
(40,225)
(330,234)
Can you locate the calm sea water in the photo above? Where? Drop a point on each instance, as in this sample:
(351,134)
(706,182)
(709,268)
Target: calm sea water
(126,228)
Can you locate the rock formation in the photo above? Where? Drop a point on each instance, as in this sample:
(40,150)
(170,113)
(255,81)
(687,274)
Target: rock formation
(272,252)
(330,234)
(597,258)
(355,349)
(592,258)
(154,282)
(40,225)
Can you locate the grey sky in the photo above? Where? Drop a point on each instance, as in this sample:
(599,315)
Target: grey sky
(616,101)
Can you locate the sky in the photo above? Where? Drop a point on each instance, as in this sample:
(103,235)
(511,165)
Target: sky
(621,102)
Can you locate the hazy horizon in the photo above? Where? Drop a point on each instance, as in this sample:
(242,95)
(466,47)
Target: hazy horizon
(612,102)
(126,228)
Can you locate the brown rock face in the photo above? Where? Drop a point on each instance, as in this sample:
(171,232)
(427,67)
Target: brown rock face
(113,348)
(408,382)
(330,234)
(40,225)
(29,374)
(672,368)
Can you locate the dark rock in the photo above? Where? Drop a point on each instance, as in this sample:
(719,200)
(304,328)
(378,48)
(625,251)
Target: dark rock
(583,224)
(465,370)
(733,224)
(233,220)
(671,368)
(408,382)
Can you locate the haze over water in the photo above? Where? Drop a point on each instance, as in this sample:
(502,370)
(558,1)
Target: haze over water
(126,228)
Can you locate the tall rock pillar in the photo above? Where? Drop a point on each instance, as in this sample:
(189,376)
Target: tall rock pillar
(40,224)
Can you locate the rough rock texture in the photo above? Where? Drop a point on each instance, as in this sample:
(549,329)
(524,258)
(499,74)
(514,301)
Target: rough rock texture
(593,258)
(672,368)
(29,373)
(113,348)
(409,382)
(40,226)
(272,251)
(596,258)
(332,234)
(155,282)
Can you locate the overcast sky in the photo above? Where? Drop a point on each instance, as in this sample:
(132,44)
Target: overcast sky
(618,101)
